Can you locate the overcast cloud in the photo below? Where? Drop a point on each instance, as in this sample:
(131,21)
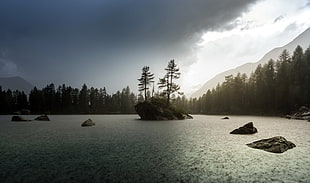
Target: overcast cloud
(106,43)
(77,41)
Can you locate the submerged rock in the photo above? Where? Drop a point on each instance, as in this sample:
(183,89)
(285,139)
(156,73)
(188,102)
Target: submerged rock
(303,113)
(246,129)
(226,117)
(159,111)
(88,122)
(18,118)
(188,116)
(276,144)
(42,118)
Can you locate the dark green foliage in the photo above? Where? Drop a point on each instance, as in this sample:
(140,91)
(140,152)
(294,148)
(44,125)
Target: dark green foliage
(170,109)
(158,101)
(274,88)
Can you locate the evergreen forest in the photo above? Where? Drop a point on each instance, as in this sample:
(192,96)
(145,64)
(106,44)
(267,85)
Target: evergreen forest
(276,88)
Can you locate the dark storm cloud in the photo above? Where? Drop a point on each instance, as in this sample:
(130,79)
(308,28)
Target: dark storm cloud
(40,33)
(142,20)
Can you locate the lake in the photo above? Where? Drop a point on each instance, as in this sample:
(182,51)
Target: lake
(121,148)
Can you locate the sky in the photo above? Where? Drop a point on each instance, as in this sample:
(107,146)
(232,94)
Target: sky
(105,43)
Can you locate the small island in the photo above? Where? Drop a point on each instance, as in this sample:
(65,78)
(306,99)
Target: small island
(157,110)
(160,107)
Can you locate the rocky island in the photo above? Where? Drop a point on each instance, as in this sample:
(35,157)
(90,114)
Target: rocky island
(158,110)
(160,107)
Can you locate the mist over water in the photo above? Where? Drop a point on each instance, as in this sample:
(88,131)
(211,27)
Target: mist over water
(121,148)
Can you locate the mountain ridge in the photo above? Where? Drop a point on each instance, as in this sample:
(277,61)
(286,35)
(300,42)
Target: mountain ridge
(302,39)
(16,83)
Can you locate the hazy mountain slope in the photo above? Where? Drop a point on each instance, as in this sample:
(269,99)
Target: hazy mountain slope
(15,83)
(303,40)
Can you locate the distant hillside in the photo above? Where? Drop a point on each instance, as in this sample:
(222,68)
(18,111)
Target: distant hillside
(16,83)
(303,40)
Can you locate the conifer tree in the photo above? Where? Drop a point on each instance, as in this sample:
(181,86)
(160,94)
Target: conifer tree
(146,79)
(167,81)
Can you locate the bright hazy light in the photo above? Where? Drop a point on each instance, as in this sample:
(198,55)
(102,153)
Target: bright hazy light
(268,24)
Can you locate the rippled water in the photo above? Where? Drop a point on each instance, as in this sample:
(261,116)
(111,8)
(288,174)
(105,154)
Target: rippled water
(120,148)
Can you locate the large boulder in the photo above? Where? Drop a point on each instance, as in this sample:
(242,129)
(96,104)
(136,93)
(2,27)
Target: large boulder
(18,118)
(303,113)
(42,118)
(158,111)
(88,122)
(276,144)
(246,129)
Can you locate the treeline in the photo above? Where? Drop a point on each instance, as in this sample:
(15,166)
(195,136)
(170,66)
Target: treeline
(68,100)
(278,87)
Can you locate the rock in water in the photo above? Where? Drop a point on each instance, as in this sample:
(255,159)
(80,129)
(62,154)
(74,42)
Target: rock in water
(188,116)
(18,118)
(158,111)
(42,118)
(276,144)
(303,113)
(88,122)
(246,129)
(226,117)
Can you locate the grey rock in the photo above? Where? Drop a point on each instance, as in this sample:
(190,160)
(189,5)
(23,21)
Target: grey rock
(276,144)
(188,116)
(303,113)
(246,129)
(42,118)
(88,122)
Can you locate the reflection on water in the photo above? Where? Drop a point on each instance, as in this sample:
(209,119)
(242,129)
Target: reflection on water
(120,148)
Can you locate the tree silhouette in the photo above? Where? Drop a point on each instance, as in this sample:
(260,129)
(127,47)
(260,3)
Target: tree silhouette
(84,99)
(146,79)
(167,81)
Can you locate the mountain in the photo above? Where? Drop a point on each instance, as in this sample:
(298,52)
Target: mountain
(303,40)
(16,83)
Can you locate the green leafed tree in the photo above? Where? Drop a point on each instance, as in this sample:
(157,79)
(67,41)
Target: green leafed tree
(168,81)
(146,79)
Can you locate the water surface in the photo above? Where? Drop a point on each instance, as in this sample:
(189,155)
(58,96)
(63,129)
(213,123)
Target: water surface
(120,148)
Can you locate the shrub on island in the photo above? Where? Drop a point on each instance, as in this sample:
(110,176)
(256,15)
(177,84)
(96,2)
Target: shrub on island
(157,109)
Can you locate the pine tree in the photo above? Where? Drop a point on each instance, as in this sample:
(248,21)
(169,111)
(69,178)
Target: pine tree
(168,81)
(146,79)
(84,99)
